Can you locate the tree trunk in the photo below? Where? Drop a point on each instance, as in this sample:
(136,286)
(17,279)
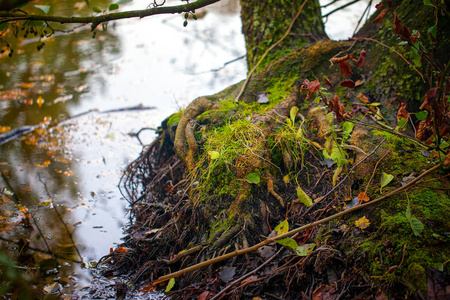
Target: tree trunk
(265,22)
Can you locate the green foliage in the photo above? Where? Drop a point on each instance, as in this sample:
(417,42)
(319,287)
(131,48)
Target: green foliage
(253,178)
(282,228)
(170,285)
(303,197)
(416,226)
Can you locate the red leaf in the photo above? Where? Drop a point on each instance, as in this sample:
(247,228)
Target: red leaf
(337,107)
(380,16)
(345,68)
(379,6)
(314,86)
(398,28)
(204,295)
(348,83)
(362,58)
(414,38)
(327,81)
(402,113)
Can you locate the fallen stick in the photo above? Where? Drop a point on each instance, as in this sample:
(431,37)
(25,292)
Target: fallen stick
(292,232)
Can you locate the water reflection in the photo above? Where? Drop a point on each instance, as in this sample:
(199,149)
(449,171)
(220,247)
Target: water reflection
(60,205)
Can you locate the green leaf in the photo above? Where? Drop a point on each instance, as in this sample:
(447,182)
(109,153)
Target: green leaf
(87,3)
(432,30)
(288,243)
(120,2)
(253,178)
(336,174)
(113,6)
(293,113)
(347,127)
(44,8)
(96,9)
(303,197)
(283,227)
(3,26)
(305,249)
(386,179)
(428,2)
(170,285)
(416,226)
(422,115)
(214,155)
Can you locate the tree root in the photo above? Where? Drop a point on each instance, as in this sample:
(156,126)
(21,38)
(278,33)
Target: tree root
(292,232)
(184,138)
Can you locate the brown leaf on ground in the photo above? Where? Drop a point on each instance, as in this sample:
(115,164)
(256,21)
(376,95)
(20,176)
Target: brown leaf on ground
(337,107)
(204,295)
(324,292)
(344,66)
(380,16)
(314,86)
(402,113)
(363,197)
(362,58)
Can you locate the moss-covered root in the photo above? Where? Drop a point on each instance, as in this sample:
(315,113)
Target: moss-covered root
(181,142)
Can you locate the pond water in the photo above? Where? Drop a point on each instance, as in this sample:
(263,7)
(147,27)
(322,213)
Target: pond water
(61,209)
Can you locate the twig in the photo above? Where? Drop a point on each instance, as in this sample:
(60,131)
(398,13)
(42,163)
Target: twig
(339,8)
(392,49)
(268,50)
(292,232)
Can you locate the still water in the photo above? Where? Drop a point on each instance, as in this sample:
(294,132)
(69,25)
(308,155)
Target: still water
(61,209)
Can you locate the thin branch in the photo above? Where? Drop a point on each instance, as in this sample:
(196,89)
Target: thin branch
(292,232)
(339,8)
(97,20)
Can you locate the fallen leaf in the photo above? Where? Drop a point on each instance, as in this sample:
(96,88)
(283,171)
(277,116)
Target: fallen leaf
(266,251)
(253,178)
(386,179)
(328,82)
(363,197)
(204,295)
(362,223)
(324,292)
(402,113)
(283,227)
(305,249)
(303,197)
(22,208)
(227,274)
(68,173)
(170,285)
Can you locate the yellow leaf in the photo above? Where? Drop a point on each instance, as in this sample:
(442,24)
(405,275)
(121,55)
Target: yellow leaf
(362,223)
(286,179)
(27,85)
(66,245)
(40,101)
(5,199)
(4,129)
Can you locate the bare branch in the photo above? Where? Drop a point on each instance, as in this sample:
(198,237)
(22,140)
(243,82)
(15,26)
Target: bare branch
(97,20)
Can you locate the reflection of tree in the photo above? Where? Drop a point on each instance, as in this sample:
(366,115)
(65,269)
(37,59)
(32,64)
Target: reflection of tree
(63,70)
